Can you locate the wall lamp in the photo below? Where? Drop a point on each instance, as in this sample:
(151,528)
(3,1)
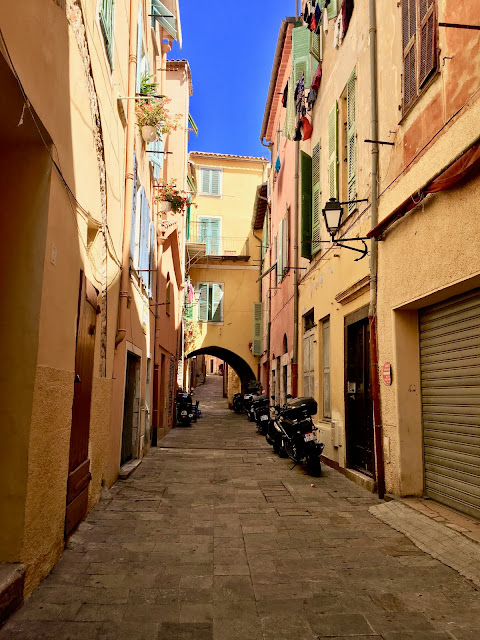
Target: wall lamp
(333,213)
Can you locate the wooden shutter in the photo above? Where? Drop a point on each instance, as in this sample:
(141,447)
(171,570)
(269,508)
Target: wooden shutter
(409,26)
(257,329)
(316,46)
(202,315)
(316,200)
(301,55)
(151,260)
(306,200)
(106,23)
(215,182)
(286,260)
(217,297)
(280,252)
(332,9)
(333,152)
(351,143)
(156,158)
(428,40)
(143,259)
(134,208)
(139,50)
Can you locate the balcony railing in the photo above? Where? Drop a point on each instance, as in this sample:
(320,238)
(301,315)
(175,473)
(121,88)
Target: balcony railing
(217,245)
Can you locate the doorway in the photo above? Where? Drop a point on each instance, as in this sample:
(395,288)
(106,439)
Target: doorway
(79,475)
(131,408)
(358,394)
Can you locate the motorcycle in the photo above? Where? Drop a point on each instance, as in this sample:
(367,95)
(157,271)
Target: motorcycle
(247,403)
(185,411)
(238,402)
(295,429)
(261,412)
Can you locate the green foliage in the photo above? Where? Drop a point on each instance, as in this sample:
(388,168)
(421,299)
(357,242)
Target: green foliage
(147,87)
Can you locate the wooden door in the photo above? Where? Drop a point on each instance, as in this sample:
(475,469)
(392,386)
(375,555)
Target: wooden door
(79,464)
(360,437)
(131,408)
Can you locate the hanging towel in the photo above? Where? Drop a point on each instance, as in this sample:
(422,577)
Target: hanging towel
(289,122)
(312,97)
(307,128)
(318,13)
(337,32)
(317,77)
(278,164)
(313,23)
(325,20)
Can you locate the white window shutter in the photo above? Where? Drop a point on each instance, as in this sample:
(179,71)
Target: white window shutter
(217,300)
(202,315)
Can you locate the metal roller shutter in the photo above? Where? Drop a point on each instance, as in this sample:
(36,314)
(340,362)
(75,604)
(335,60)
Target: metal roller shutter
(450,373)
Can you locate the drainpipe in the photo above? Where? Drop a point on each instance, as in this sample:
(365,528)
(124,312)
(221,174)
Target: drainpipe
(269,146)
(129,177)
(296,218)
(372,313)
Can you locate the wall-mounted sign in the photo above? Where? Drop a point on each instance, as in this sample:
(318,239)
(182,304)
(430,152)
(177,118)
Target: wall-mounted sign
(387,373)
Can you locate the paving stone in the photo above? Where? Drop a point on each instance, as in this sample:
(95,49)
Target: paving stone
(215,538)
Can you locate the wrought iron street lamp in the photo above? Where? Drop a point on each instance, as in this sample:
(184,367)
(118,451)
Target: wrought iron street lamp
(333,213)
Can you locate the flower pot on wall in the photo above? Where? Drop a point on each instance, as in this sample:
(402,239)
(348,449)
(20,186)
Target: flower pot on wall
(149,133)
(165,206)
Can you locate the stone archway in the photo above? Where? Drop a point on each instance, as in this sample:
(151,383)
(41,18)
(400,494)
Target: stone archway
(238,364)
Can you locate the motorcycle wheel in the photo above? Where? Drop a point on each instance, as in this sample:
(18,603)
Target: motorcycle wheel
(314,466)
(291,451)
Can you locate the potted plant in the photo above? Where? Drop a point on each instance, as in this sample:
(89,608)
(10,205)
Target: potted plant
(170,198)
(153,118)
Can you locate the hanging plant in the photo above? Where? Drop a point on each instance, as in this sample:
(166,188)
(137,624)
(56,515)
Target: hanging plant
(153,113)
(167,192)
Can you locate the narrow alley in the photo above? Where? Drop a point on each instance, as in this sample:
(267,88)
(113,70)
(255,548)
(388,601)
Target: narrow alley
(214,537)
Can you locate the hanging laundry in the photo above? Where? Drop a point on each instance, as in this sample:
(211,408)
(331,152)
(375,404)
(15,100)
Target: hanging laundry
(190,293)
(312,98)
(346,11)
(314,2)
(338,31)
(285,96)
(278,164)
(307,128)
(313,23)
(325,20)
(305,13)
(289,122)
(318,13)
(317,77)
(300,94)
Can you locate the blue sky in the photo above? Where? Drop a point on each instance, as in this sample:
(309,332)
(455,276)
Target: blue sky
(230,48)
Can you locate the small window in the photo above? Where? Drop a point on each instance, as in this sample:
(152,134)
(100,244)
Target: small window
(106,14)
(308,321)
(210,304)
(210,181)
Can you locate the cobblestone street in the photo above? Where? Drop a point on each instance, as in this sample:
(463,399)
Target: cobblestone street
(214,537)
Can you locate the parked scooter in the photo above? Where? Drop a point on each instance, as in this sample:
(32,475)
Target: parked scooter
(238,402)
(185,411)
(261,413)
(295,428)
(247,404)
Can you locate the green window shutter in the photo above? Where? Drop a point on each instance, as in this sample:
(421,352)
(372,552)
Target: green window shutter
(203,302)
(205,180)
(351,143)
(301,55)
(286,257)
(306,200)
(257,329)
(280,252)
(209,234)
(316,200)
(332,9)
(315,46)
(215,182)
(156,158)
(216,297)
(106,23)
(333,151)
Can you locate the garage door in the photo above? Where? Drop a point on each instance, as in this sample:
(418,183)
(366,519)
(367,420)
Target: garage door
(450,371)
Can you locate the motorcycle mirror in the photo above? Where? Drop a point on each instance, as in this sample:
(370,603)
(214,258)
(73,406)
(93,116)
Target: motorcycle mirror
(289,396)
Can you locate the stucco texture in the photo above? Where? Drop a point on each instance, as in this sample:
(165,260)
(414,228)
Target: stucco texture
(47,472)
(102,391)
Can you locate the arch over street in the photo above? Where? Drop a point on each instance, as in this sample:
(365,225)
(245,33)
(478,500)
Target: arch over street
(238,364)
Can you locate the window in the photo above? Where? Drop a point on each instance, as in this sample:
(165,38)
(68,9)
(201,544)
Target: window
(210,305)
(347,167)
(209,234)
(333,151)
(210,181)
(309,354)
(168,295)
(327,412)
(106,23)
(302,62)
(306,204)
(265,236)
(419,31)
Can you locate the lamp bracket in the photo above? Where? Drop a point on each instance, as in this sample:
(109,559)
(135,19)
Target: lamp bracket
(354,201)
(363,251)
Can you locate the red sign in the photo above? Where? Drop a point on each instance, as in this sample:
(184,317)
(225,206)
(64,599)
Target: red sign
(387,373)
